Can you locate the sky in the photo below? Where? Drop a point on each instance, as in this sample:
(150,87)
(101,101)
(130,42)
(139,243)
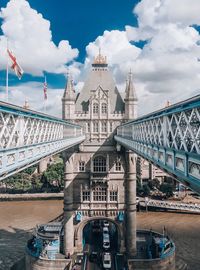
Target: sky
(157,39)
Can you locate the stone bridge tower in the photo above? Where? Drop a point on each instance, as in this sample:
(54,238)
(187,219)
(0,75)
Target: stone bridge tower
(99,181)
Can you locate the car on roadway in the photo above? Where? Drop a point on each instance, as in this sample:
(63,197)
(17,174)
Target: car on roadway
(106,260)
(79,258)
(106,245)
(105,230)
(96,227)
(106,223)
(94,257)
(106,241)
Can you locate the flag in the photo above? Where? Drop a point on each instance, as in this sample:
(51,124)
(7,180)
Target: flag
(15,66)
(45,89)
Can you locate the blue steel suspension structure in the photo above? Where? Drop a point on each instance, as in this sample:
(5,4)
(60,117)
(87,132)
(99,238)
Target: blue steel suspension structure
(27,136)
(168,138)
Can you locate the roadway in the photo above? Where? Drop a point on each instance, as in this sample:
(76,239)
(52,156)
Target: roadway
(94,243)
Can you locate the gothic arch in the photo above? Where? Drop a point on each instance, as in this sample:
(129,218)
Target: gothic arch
(78,233)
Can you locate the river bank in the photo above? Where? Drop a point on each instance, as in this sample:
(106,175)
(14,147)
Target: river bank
(31,196)
(18,218)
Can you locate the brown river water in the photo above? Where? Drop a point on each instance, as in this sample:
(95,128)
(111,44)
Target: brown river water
(18,218)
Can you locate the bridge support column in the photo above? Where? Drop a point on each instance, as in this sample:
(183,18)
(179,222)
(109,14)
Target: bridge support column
(42,166)
(68,207)
(131,206)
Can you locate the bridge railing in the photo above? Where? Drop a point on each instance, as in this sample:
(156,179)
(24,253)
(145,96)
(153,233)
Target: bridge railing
(170,138)
(27,136)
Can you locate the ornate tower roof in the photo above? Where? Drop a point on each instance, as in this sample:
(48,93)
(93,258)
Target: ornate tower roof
(100,76)
(69,93)
(130,93)
(100,60)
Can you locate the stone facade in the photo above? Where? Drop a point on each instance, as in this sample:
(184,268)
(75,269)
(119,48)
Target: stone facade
(96,182)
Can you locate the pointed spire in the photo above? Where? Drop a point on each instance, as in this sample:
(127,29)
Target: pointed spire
(26,104)
(167,104)
(69,93)
(130,89)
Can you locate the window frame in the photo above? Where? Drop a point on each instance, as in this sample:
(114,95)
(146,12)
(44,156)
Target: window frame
(118,166)
(81,166)
(99,194)
(95,108)
(113,195)
(111,126)
(99,164)
(95,127)
(86,195)
(104,108)
(104,127)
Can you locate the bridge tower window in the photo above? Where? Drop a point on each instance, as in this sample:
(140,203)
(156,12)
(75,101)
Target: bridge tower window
(95,108)
(81,166)
(95,127)
(100,194)
(104,126)
(104,108)
(86,195)
(113,196)
(111,126)
(118,166)
(99,164)
(88,127)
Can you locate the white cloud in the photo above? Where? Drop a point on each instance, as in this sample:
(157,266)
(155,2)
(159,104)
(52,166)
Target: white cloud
(33,93)
(168,66)
(30,38)
(118,50)
(165,69)
(156,13)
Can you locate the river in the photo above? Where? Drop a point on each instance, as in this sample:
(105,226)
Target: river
(18,218)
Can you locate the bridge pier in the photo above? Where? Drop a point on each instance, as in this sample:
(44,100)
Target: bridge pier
(42,165)
(68,206)
(131,206)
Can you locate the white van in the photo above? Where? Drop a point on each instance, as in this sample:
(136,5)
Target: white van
(106,260)
(106,241)
(105,230)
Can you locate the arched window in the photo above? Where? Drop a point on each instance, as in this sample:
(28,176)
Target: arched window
(104,108)
(88,127)
(99,164)
(118,166)
(111,126)
(103,127)
(95,127)
(95,108)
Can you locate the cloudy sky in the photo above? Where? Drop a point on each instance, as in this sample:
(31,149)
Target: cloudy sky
(158,39)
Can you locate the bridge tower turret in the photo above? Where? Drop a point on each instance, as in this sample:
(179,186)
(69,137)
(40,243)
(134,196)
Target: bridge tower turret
(130,99)
(68,101)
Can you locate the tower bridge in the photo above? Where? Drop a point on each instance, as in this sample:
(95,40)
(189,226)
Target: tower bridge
(27,136)
(170,139)
(100,177)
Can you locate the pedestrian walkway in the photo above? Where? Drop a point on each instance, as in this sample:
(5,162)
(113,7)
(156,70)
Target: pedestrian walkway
(168,205)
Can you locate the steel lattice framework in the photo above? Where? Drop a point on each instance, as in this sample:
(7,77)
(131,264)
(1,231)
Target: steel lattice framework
(28,136)
(169,138)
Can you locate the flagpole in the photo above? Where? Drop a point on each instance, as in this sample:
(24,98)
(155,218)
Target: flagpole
(45,94)
(7,74)
(45,105)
